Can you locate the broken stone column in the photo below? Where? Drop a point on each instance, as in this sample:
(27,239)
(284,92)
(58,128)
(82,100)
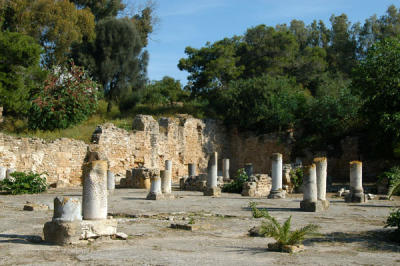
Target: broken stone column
(276,192)
(321,164)
(110,181)
(310,202)
(212,177)
(3,172)
(192,169)
(9,172)
(225,169)
(248,168)
(356,190)
(168,175)
(155,188)
(166,185)
(94,199)
(67,209)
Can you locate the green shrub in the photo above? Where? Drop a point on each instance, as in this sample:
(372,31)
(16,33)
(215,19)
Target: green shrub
(24,183)
(393,177)
(296,177)
(68,97)
(394,219)
(237,185)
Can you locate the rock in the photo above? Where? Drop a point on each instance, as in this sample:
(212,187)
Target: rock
(35,207)
(255,232)
(285,248)
(370,196)
(120,235)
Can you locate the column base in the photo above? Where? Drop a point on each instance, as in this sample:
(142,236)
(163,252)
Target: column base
(65,233)
(168,196)
(356,197)
(312,206)
(277,194)
(325,204)
(154,196)
(213,191)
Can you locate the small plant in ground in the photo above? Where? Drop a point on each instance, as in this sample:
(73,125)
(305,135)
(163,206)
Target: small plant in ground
(24,183)
(237,185)
(191,221)
(394,219)
(257,213)
(282,233)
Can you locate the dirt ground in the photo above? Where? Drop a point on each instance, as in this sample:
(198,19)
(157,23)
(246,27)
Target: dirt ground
(351,234)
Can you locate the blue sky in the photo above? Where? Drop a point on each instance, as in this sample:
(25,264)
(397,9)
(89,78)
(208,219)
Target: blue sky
(194,22)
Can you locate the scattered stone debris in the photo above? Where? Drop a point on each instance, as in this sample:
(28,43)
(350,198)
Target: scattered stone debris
(30,206)
(120,235)
(371,196)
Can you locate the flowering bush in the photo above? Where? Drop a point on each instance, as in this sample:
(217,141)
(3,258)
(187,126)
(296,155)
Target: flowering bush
(69,96)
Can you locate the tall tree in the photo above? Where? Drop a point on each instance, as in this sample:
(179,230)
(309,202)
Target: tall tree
(117,55)
(54,24)
(101,8)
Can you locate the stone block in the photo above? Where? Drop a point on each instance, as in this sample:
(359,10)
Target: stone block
(213,192)
(65,233)
(312,206)
(277,194)
(29,206)
(154,196)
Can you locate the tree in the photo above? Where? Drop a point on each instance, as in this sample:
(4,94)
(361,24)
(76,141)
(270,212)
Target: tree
(167,90)
(19,72)
(119,66)
(377,81)
(54,24)
(212,66)
(101,8)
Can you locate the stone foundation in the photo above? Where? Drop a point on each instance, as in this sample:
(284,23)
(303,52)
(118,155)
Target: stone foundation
(213,192)
(258,186)
(313,206)
(139,178)
(65,233)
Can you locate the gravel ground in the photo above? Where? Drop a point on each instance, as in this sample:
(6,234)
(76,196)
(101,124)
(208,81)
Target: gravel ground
(351,234)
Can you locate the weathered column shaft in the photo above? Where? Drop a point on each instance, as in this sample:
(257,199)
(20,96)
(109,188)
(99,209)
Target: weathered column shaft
(356,176)
(192,169)
(276,171)
(321,169)
(225,168)
(110,180)
(168,173)
(212,178)
(155,187)
(310,184)
(94,198)
(165,183)
(67,209)
(3,172)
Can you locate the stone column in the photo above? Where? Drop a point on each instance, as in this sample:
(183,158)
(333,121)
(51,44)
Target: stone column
(168,173)
(225,169)
(310,202)
(192,169)
(212,177)
(165,185)
(248,168)
(9,172)
(67,209)
(94,199)
(321,169)
(276,173)
(155,188)
(3,172)
(356,190)
(110,180)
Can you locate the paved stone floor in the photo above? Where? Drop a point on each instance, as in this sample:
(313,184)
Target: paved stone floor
(351,234)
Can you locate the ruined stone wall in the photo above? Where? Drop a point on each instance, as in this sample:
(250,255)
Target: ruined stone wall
(182,139)
(61,159)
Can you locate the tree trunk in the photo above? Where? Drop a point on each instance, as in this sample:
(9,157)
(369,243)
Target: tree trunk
(109,106)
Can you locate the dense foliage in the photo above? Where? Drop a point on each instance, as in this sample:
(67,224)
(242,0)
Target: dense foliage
(24,183)
(19,72)
(236,186)
(68,97)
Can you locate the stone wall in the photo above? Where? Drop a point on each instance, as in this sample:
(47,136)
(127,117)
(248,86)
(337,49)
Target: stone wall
(61,159)
(182,139)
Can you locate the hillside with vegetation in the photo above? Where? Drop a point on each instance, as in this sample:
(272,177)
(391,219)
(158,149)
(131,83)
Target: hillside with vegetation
(67,66)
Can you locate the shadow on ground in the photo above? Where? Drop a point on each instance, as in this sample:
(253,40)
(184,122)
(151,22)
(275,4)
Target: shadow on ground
(380,240)
(22,239)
